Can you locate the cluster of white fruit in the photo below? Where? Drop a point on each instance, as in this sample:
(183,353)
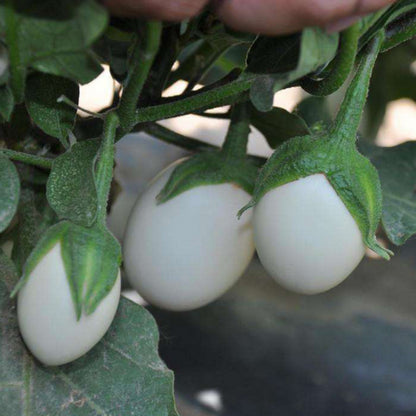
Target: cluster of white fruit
(188,251)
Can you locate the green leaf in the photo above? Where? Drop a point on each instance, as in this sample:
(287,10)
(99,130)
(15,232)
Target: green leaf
(278,125)
(314,110)
(6,102)
(71,189)
(81,67)
(400,30)
(283,60)
(9,191)
(52,36)
(34,217)
(206,169)
(119,376)
(53,117)
(274,55)
(197,64)
(397,169)
(385,18)
(91,256)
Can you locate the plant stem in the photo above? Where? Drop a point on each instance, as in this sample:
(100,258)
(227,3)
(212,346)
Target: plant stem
(235,144)
(168,136)
(339,69)
(188,143)
(105,165)
(34,160)
(145,56)
(64,99)
(217,97)
(217,116)
(349,116)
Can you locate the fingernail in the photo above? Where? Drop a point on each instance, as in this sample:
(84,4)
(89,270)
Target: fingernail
(341,24)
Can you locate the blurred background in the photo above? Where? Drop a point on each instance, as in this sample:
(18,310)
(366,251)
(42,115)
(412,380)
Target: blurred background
(261,350)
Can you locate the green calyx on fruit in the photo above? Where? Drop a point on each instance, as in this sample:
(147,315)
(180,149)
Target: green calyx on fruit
(228,165)
(91,257)
(335,155)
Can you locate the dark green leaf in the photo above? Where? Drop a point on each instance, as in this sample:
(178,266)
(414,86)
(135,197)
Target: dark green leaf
(119,376)
(206,169)
(30,227)
(397,170)
(314,110)
(400,30)
(198,63)
(6,102)
(9,192)
(52,36)
(278,125)
(115,49)
(71,189)
(274,55)
(290,59)
(77,66)
(382,19)
(53,117)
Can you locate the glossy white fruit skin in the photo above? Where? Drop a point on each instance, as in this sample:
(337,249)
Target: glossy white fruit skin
(47,317)
(188,251)
(305,237)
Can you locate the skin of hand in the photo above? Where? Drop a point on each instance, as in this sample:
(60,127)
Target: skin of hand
(270,17)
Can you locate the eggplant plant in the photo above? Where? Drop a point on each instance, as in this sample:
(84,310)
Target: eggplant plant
(311,210)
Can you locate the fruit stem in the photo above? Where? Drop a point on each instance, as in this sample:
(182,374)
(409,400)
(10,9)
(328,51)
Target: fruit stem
(104,172)
(143,57)
(235,144)
(349,116)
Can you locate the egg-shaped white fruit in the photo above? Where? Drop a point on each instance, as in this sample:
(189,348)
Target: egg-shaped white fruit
(188,251)
(305,236)
(47,317)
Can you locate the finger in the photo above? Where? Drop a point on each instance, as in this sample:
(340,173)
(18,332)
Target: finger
(282,16)
(172,10)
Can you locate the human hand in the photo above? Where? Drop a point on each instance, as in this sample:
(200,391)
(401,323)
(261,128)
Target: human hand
(272,17)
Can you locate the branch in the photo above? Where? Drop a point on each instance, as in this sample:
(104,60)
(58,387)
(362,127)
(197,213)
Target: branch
(145,55)
(34,160)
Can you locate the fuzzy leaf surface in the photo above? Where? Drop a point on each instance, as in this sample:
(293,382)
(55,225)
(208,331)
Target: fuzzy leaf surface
(279,61)
(71,188)
(52,36)
(209,168)
(278,125)
(9,191)
(53,117)
(397,169)
(118,376)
